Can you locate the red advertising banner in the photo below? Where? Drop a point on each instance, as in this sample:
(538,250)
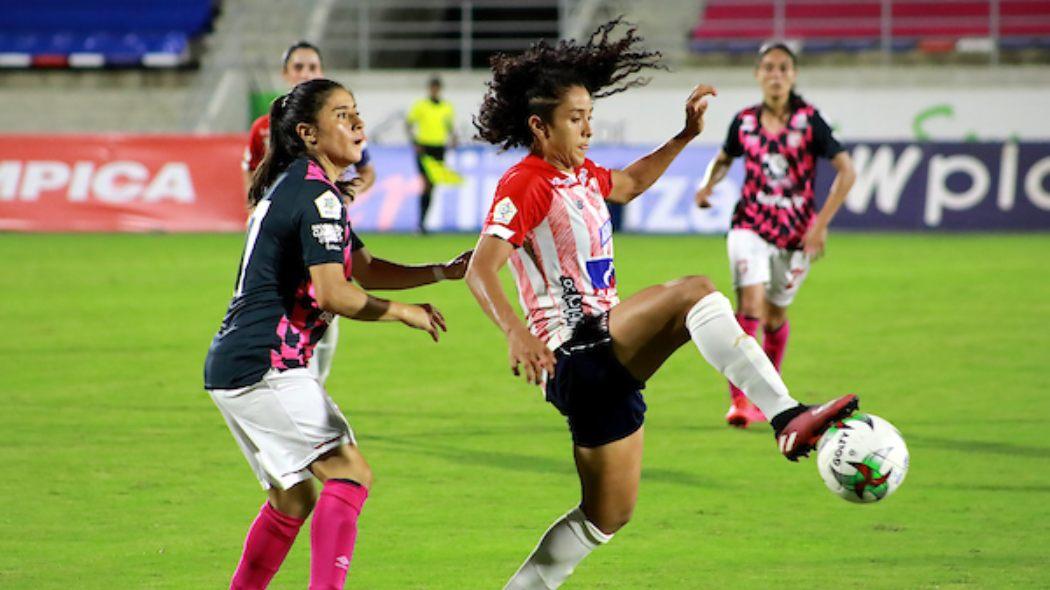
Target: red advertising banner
(122,183)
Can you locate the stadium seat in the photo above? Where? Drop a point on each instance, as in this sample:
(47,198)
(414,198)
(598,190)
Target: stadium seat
(844,25)
(109,33)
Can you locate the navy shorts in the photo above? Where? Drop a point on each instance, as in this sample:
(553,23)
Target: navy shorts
(599,397)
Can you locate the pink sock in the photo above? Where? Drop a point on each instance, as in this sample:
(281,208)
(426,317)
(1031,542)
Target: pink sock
(775,343)
(750,326)
(269,539)
(333,533)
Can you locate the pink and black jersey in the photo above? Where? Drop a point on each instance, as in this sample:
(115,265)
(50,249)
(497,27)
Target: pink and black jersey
(780,170)
(273,321)
(560,226)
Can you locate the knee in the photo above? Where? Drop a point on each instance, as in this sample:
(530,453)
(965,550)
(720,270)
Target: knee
(295,505)
(693,288)
(615,520)
(775,317)
(753,305)
(365,477)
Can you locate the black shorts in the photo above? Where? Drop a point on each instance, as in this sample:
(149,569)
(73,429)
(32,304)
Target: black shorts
(434,151)
(599,397)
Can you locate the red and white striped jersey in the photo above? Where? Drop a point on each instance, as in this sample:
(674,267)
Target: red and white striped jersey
(560,226)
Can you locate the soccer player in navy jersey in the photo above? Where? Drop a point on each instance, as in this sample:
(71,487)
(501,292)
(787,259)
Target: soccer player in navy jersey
(302,62)
(592,351)
(291,283)
(776,230)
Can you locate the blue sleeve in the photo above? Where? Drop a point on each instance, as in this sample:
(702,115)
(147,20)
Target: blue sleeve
(365,159)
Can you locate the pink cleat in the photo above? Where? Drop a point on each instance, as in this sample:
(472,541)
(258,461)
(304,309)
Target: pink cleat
(742,412)
(797,430)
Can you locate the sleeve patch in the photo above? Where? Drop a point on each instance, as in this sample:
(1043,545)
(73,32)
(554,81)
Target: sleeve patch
(504,211)
(329,206)
(329,235)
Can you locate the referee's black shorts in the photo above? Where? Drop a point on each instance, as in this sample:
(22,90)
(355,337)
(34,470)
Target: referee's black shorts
(434,151)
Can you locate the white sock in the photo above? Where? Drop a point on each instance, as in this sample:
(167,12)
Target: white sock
(571,538)
(722,342)
(320,364)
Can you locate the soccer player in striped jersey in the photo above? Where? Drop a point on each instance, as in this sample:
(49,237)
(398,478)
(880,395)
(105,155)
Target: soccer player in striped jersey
(592,351)
(776,230)
(291,283)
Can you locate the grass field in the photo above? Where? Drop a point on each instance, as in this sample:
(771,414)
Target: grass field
(119,472)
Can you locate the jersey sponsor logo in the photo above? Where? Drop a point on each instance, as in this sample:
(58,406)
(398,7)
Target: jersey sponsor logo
(329,235)
(329,206)
(602,273)
(572,299)
(605,232)
(504,211)
(774,166)
(748,123)
(782,202)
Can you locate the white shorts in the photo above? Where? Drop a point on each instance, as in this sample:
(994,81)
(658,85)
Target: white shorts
(283,423)
(754,261)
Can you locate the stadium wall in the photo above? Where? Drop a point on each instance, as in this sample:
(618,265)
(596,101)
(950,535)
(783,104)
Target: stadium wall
(179,183)
(861,104)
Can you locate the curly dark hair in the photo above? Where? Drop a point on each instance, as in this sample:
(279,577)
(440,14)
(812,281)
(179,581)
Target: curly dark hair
(533,82)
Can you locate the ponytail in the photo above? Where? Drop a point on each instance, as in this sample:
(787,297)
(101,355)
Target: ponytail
(301,105)
(795,101)
(281,152)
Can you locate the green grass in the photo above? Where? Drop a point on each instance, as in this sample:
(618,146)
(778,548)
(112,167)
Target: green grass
(119,472)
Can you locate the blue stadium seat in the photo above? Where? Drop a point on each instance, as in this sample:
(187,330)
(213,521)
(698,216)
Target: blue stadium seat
(120,33)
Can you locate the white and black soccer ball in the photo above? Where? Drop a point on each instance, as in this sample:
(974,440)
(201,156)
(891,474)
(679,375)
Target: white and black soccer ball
(862,458)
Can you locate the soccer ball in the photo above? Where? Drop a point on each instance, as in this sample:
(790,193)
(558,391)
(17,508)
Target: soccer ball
(862,458)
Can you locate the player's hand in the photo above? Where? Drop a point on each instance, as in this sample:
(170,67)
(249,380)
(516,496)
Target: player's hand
(457,267)
(424,317)
(703,197)
(530,353)
(349,188)
(695,107)
(814,241)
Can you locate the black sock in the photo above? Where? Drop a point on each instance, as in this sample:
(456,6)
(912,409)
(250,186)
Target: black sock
(781,420)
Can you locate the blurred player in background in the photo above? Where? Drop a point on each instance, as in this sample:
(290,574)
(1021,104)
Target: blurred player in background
(302,62)
(776,230)
(430,125)
(291,281)
(593,352)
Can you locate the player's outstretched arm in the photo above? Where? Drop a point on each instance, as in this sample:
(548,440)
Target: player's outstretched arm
(816,236)
(716,171)
(336,295)
(376,273)
(643,172)
(482,277)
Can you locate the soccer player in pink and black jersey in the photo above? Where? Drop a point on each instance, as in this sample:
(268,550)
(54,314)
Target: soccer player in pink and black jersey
(592,351)
(776,230)
(300,63)
(292,281)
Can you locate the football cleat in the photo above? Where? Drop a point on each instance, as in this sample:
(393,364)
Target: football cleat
(805,425)
(742,413)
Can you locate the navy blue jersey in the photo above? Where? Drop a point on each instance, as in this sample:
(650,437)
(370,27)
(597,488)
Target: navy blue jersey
(273,321)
